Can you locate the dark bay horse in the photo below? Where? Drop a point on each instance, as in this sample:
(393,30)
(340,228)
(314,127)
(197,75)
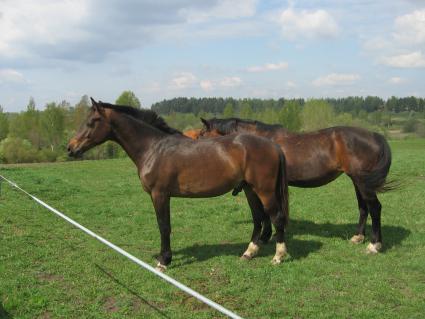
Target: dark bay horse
(172,165)
(317,158)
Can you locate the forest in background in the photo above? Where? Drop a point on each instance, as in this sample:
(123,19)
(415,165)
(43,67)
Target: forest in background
(42,135)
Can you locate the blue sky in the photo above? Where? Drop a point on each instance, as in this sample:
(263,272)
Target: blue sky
(60,50)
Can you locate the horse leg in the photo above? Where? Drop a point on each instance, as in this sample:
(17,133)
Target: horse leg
(278,221)
(271,208)
(266,233)
(257,217)
(363,212)
(375,207)
(161,203)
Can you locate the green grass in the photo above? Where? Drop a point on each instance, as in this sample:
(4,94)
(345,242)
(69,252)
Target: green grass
(49,269)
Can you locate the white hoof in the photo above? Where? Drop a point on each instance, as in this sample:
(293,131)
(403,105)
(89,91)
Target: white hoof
(251,251)
(280,253)
(276,260)
(160,267)
(357,239)
(374,248)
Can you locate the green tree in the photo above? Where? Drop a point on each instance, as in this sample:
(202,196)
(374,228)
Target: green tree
(290,116)
(31,104)
(317,114)
(80,112)
(128,98)
(53,125)
(246,111)
(228,110)
(26,125)
(4,124)
(17,150)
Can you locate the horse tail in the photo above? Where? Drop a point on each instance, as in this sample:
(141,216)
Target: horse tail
(282,187)
(376,178)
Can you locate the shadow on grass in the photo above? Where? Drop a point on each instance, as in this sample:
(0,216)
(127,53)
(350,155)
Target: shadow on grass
(392,235)
(298,249)
(4,314)
(134,293)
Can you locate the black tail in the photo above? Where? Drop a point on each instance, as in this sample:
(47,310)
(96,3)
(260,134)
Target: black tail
(376,179)
(282,187)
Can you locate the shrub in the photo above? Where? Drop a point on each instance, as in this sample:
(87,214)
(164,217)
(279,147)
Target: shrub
(17,150)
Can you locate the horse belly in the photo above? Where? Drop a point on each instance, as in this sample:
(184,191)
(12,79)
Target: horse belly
(206,181)
(315,181)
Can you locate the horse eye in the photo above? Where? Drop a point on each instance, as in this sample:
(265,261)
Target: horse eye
(92,121)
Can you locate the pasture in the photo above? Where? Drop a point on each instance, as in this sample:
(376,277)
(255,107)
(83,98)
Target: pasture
(49,269)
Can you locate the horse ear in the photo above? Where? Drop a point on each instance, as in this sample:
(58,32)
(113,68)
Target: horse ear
(97,106)
(205,122)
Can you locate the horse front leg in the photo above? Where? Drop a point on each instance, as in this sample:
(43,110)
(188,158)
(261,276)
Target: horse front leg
(161,203)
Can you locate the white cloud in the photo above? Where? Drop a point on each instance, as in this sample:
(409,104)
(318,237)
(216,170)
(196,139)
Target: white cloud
(408,60)
(410,28)
(223,9)
(26,24)
(8,76)
(396,80)
(232,81)
(207,85)
(403,47)
(335,79)
(226,82)
(307,24)
(183,81)
(33,33)
(268,67)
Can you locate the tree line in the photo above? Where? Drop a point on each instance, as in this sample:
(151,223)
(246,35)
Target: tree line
(352,104)
(42,135)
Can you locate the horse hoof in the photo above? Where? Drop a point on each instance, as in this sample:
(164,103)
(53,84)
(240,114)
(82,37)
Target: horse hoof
(357,239)
(160,267)
(276,261)
(251,251)
(246,257)
(373,248)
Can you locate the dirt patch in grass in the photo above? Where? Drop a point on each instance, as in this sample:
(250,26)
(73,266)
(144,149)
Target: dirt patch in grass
(49,277)
(110,305)
(45,315)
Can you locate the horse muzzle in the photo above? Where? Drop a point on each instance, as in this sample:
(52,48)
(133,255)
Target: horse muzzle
(73,150)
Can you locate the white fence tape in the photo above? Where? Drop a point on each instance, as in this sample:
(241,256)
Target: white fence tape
(131,257)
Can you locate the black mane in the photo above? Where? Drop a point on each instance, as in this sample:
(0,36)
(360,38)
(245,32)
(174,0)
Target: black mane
(147,116)
(229,125)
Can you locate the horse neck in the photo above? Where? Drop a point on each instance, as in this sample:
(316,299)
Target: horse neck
(250,128)
(245,127)
(254,129)
(134,136)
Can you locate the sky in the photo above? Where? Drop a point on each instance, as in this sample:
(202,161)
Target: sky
(60,50)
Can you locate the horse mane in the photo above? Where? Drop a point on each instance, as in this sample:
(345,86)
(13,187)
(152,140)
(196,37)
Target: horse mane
(230,125)
(147,116)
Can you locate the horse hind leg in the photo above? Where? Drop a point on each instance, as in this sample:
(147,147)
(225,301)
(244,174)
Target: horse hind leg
(266,232)
(375,207)
(363,213)
(257,212)
(271,208)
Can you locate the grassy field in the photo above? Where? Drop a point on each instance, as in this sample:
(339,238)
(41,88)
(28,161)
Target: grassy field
(49,269)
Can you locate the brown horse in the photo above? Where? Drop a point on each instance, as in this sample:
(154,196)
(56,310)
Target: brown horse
(317,158)
(193,134)
(171,165)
